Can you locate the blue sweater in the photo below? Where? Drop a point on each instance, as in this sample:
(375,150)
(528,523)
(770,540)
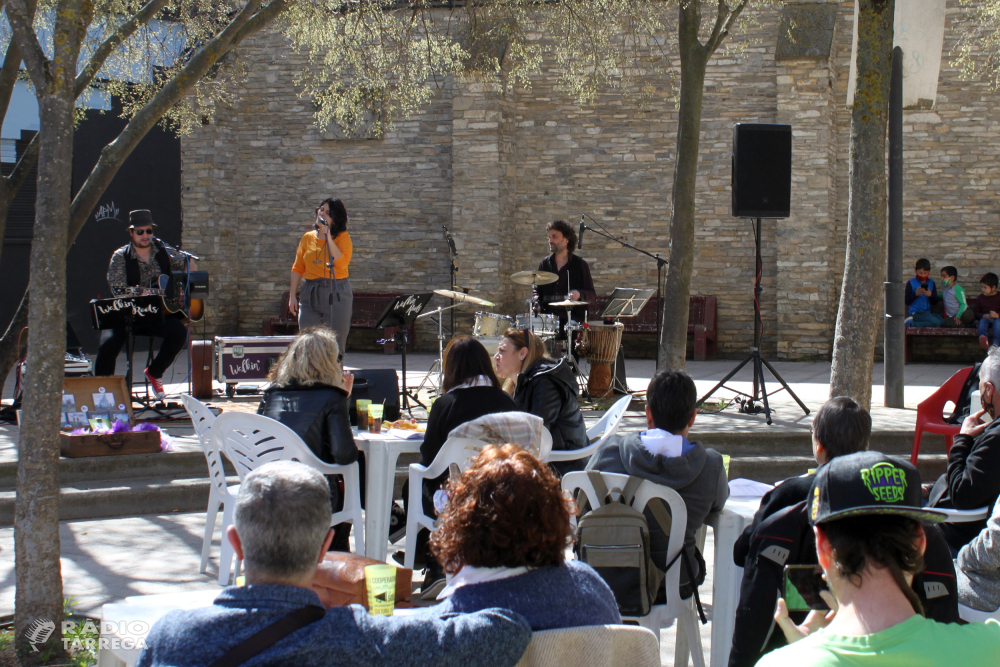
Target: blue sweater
(345,636)
(562,596)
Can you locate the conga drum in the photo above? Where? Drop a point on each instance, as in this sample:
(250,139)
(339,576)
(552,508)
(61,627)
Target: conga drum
(599,344)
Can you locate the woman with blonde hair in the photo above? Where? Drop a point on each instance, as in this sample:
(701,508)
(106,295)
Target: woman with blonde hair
(309,394)
(545,388)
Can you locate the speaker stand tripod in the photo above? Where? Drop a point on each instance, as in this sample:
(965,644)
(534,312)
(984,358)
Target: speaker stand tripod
(760,394)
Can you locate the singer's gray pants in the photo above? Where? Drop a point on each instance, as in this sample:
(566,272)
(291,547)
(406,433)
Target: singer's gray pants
(315,307)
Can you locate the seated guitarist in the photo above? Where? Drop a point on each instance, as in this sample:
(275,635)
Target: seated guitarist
(140,263)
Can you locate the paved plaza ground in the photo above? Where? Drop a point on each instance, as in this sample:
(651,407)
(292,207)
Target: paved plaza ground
(105,560)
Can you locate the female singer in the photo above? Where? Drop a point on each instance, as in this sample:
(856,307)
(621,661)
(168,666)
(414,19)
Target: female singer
(321,262)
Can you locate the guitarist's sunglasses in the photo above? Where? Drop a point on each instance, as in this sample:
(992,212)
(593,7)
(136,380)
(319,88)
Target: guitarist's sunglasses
(141,232)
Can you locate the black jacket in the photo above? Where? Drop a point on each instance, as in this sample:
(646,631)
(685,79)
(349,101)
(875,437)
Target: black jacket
(318,413)
(972,481)
(785,537)
(575,275)
(548,389)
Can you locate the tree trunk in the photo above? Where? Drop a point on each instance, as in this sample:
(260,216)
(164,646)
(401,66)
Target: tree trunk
(861,296)
(673,337)
(39,592)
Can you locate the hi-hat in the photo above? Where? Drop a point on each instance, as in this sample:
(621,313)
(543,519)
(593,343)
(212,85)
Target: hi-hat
(568,304)
(534,278)
(462,296)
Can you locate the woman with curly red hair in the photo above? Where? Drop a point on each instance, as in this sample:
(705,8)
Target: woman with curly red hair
(502,540)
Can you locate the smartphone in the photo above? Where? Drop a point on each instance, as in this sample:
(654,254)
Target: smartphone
(803,584)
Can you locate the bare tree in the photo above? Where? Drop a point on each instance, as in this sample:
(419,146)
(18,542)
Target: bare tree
(36,515)
(695,55)
(861,297)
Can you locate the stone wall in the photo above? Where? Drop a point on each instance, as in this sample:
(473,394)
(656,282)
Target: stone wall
(496,166)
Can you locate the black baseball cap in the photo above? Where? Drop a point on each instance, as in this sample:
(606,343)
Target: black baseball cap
(868,483)
(140,218)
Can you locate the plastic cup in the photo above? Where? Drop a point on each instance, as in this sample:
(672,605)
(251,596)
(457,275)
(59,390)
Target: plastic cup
(363,404)
(380,580)
(375,419)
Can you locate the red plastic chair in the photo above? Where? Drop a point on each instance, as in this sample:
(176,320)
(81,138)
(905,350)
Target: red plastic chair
(930,412)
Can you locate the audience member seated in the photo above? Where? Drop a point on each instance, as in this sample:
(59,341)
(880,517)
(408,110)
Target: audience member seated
(470,390)
(780,535)
(309,394)
(663,454)
(544,387)
(978,567)
(502,539)
(973,476)
(281,531)
(866,517)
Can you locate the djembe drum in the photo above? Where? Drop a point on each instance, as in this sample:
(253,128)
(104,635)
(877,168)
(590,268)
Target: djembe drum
(599,344)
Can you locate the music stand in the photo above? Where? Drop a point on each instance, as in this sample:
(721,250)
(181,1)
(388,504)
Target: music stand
(623,302)
(401,312)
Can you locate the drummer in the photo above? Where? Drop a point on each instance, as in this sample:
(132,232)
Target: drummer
(574,284)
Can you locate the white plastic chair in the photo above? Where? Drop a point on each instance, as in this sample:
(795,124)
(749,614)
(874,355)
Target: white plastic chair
(975,616)
(251,440)
(602,430)
(660,616)
(459,451)
(592,645)
(221,494)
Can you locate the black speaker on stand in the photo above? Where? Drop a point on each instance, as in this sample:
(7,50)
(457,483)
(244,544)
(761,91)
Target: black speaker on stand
(762,188)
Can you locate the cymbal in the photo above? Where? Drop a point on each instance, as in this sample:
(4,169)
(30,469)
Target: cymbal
(462,296)
(534,278)
(568,304)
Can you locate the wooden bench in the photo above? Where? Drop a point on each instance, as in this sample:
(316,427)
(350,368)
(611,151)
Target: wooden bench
(702,316)
(935,332)
(367,308)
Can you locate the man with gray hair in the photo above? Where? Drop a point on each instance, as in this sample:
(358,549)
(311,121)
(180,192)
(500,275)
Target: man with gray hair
(973,476)
(282,530)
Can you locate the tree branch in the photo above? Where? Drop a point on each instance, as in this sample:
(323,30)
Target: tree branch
(21,169)
(247,22)
(8,75)
(21,15)
(107,47)
(720,34)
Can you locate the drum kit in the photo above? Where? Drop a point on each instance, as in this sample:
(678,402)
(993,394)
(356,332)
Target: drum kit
(599,342)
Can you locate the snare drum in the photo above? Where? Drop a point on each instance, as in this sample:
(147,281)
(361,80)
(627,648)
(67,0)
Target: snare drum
(543,324)
(600,343)
(491,324)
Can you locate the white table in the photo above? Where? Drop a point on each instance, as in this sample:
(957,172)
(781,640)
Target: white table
(727,525)
(126,624)
(381,452)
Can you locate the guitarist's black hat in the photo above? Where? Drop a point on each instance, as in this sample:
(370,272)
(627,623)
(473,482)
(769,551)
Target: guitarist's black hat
(140,218)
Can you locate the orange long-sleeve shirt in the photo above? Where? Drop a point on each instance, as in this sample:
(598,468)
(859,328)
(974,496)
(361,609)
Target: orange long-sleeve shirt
(311,256)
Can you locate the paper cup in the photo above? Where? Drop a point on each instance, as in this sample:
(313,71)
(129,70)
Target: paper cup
(363,404)
(380,580)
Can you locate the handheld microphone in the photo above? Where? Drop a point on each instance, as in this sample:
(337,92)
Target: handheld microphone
(579,237)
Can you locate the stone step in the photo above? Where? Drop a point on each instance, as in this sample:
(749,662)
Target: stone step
(126,497)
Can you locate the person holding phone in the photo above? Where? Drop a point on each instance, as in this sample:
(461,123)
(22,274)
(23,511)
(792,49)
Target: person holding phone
(870,535)
(321,267)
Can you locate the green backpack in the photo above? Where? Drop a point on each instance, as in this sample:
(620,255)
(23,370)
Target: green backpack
(613,538)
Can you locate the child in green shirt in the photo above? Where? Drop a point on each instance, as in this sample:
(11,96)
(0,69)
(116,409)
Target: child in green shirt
(956,312)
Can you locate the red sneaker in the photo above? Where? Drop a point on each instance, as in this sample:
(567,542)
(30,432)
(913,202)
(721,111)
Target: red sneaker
(156,384)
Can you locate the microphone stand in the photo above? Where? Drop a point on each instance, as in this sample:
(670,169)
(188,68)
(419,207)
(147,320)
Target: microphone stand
(452,254)
(660,263)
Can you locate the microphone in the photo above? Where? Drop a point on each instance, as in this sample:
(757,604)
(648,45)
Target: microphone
(451,241)
(579,237)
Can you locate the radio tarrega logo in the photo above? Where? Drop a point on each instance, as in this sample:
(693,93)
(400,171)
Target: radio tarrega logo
(39,632)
